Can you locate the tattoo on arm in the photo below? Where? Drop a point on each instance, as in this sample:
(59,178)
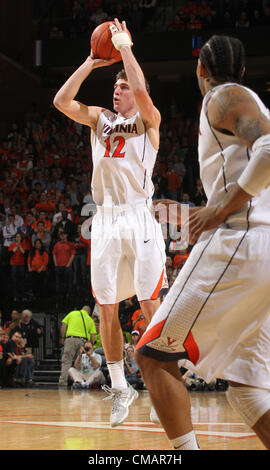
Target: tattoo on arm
(247,129)
(238,112)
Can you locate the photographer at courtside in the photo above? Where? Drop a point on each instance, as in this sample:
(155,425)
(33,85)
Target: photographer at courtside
(86,371)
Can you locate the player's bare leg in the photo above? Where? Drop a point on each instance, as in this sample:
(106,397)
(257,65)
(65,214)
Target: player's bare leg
(170,399)
(111,332)
(149,307)
(113,344)
(262,429)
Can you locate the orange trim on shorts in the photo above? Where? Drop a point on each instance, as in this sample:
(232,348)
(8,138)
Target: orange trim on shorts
(192,348)
(95,296)
(158,287)
(151,334)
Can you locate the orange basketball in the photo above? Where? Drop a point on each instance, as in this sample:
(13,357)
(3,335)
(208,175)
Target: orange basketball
(101,42)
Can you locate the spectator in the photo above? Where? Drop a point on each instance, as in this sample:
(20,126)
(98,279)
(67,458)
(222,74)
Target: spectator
(67,225)
(86,371)
(77,328)
(58,216)
(186,200)
(18,220)
(17,264)
(242,21)
(30,330)
(44,204)
(26,230)
(37,262)
(9,232)
(10,358)
(131,368)
(43,217)
(135,336)
(63,256)
(174,181)
(138,321)
(13,322)
(42,235)
(25,368)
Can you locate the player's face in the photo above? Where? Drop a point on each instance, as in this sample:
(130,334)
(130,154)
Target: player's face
(123,98)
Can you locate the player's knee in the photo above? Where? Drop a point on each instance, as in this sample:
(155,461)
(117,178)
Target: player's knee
(249,402)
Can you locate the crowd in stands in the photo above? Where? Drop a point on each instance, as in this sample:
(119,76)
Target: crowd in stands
(77,18)
(19,342)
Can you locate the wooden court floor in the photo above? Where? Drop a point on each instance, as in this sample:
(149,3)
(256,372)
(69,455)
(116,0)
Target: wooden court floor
(33,419)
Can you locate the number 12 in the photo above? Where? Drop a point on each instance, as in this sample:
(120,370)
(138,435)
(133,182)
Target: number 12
(117,152)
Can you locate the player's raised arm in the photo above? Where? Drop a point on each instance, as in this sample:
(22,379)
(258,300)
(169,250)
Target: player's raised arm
(65,101)
(135,76)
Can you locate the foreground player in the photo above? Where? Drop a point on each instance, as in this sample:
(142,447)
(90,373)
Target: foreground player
(128,250)
(216,314)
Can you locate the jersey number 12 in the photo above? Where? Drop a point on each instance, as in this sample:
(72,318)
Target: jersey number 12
(118,150)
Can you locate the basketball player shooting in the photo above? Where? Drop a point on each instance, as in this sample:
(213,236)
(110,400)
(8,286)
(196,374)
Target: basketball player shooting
(128,250)
(216,314)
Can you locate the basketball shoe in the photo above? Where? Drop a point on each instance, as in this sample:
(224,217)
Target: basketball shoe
(122,399)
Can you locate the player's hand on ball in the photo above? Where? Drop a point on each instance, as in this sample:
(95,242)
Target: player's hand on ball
(95,62)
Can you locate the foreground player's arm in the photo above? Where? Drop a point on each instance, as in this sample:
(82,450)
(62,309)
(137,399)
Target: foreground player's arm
(136,80)
(233,109)
(65,101)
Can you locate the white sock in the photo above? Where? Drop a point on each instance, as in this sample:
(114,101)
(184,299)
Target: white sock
(186,442)
(116,371)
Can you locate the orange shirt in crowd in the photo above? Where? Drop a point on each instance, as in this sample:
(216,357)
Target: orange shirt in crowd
(47,225)
(140,324)
(45,206)
(179,259)
(62,252)
(17,258)
(38,260)
(174,181)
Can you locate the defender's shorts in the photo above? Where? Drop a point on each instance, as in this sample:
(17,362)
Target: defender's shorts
(127,254)
(217,313)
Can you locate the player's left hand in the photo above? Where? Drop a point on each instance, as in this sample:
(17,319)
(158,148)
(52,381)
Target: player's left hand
(202,220)
(95,62)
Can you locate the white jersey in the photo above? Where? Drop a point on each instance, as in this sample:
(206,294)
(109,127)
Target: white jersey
(123,160)
(223,158)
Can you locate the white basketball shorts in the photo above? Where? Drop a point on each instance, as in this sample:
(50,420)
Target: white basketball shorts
(127,254)
(217,313)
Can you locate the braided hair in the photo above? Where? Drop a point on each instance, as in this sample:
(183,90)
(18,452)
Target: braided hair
(223,56)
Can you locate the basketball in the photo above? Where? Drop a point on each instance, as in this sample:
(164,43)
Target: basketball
(101,42)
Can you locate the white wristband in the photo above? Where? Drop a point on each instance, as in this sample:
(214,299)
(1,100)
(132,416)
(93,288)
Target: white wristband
(120,40)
